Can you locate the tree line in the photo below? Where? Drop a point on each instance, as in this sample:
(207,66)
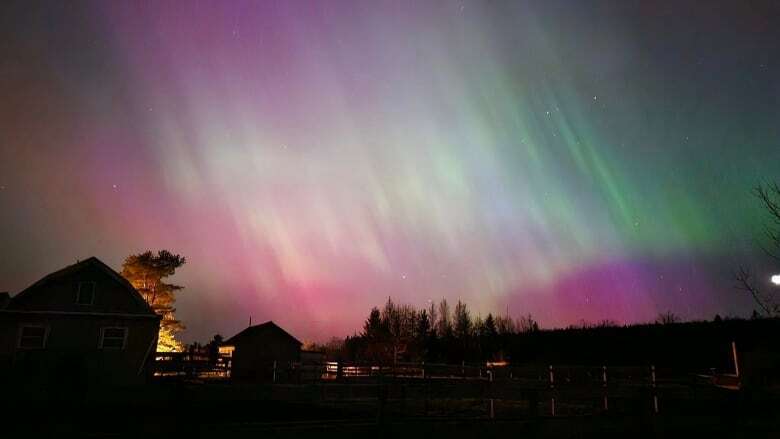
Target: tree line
(398,333)
(401,332)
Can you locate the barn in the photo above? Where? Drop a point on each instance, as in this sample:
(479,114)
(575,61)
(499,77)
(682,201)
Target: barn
(262,353)
(81,327)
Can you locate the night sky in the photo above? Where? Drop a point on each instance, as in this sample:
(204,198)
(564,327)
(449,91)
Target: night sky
(576,160)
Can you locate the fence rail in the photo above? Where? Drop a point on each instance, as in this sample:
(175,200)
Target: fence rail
(489,390)
(191,365)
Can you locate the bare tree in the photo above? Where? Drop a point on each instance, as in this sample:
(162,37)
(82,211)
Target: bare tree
(526,324)
(505,325)
(746,282)
(667,318)
(769,197)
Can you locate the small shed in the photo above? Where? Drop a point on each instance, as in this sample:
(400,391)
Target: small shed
(262,353)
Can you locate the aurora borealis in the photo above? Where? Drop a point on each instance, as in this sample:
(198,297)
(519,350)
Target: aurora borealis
(574,160)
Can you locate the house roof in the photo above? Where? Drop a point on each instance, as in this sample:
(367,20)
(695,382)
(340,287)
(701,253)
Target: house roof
(268,327)
(91,261)
(4,299)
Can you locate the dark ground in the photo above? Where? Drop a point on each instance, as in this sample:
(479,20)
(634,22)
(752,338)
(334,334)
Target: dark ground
(177,410)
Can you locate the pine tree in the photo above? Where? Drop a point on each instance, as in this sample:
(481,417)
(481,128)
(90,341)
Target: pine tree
(444,325)
(146,272)
(462,321)
(490,326)
(423,325)
(372,329)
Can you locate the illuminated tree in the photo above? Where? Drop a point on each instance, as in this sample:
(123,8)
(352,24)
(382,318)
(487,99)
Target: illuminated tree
(146,272)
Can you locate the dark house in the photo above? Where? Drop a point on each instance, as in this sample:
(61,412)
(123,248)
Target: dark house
(262,352)
(80,327)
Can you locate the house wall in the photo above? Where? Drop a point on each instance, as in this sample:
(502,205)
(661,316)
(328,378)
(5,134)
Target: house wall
(71,360)
(71,356)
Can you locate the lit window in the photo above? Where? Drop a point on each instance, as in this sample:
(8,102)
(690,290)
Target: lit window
(113,338)
(33,337)
(86,293)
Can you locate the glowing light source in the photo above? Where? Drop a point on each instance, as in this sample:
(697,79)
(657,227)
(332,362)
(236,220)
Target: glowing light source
(776,279)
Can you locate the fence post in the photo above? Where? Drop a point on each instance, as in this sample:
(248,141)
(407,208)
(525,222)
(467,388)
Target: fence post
(427,383)
(604,381)
(463,368)
(552,390)
(490,386)
(382,398)
(654,389)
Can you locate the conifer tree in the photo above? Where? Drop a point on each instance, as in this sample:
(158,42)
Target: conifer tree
(146,272)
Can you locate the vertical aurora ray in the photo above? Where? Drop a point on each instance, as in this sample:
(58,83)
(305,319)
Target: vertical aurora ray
(312,159)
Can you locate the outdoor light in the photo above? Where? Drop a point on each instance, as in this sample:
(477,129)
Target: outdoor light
(776,279)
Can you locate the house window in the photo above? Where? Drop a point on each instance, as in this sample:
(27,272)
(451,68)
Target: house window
(86,293)
(33,337)
(113,338)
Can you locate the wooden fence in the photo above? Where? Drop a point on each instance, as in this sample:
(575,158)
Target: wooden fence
(486,390)
(191,365)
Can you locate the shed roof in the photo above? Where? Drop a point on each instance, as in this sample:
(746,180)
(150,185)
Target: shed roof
(267,328)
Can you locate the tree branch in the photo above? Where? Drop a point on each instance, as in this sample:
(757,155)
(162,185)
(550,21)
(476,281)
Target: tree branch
(745,283)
